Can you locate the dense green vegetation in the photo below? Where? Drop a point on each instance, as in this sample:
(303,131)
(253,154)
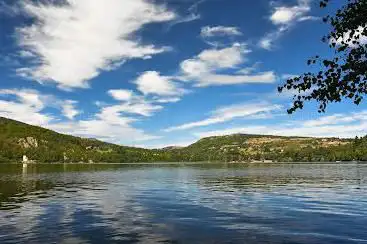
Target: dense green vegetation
(42,145)
(274,148)
(18,139)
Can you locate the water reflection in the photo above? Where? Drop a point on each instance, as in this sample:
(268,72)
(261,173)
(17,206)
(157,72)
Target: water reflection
(183,204)
(323,175)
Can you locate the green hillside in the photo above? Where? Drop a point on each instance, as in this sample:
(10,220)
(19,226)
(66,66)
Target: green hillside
(18,139)
(42,145)
(240,147)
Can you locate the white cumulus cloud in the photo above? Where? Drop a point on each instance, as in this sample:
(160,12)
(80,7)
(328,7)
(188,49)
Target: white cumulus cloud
(135,105)
(285,17)
(337,125)
(69,110)
(228,113)
(24,105)
(204,69)
(73,42)
(211,31)
(121,94)
(152,82)
(337,119)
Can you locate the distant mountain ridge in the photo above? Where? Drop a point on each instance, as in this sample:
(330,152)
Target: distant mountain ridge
(43,145)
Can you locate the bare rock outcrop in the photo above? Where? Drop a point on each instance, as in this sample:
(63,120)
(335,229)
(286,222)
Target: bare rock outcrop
(28,142)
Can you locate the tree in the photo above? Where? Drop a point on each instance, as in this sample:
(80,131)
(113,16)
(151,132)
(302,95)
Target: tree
(345,75)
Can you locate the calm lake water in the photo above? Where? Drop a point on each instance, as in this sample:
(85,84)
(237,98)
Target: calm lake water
(286,203)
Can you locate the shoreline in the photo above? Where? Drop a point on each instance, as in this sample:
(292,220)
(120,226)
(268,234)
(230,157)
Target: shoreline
(188,163)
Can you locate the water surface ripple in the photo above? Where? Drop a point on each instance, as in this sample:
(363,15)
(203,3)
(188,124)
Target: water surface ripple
(285,203)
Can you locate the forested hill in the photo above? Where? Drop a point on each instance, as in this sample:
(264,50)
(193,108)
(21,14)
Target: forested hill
(240,147)
(42,145)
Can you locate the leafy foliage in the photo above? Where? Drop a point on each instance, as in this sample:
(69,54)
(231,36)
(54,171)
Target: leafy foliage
(345,75)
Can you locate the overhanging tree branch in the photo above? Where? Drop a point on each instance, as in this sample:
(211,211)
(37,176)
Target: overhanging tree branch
(345,75)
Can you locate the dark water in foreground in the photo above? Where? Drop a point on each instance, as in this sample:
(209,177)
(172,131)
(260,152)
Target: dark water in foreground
(318,203)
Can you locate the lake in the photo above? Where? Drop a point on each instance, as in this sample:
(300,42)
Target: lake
(284,203)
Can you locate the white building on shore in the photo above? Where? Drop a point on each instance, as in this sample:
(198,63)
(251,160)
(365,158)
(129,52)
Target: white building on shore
(25,159)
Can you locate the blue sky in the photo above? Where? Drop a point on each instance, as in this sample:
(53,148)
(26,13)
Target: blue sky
(165,72)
